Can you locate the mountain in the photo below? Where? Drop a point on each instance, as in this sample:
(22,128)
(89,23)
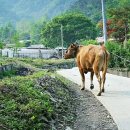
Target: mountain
(30,10)
(91,8)
(17,10)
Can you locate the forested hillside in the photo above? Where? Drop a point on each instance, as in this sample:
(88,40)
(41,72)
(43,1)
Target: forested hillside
(17,10)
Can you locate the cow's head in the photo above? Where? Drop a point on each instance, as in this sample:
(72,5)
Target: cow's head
(71,51)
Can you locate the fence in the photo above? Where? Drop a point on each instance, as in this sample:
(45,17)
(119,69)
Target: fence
(33,53)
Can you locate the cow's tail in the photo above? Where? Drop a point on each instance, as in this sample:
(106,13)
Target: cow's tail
(107,57)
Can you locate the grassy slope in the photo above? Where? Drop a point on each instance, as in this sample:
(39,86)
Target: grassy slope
(38,101)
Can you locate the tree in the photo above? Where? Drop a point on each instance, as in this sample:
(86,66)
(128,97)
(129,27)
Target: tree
(76,26)
(6,33)
(23,28)
(110,28)
(120,20)
(36,29)
(1,47)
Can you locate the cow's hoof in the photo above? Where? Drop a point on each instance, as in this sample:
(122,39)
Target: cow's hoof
(99,94)
(103,90)
(82,88)
(91,86)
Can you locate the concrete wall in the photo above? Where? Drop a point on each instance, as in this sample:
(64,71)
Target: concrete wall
(119,72)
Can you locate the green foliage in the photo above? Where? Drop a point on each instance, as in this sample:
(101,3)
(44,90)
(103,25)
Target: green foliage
(24,106)
(87,42)
(121,20)
(9,73)
(91,8)
(75,26)
(1,45)
(42,62)
(19,10)
(7,32)
(36,29)
(34,101)
(119,57)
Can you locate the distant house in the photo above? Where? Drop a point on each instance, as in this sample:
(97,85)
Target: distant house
(37,46)
(37,51)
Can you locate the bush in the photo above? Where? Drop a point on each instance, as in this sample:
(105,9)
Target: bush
(87,42)
(119,57)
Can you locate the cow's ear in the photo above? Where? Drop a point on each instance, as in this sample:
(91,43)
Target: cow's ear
(72,45)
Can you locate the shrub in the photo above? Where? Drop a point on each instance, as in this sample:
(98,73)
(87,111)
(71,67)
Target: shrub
(119,57)
(87,42)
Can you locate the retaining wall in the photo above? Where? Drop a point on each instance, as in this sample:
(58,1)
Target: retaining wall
(119,72)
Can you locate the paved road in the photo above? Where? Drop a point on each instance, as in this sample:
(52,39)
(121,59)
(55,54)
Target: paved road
(116,99)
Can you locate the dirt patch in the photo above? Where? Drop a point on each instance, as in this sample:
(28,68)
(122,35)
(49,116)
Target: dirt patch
(91,114)
(62,98)
(23,71)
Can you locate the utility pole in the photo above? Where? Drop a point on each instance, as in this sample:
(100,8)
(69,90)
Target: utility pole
(104,21)
(62,42)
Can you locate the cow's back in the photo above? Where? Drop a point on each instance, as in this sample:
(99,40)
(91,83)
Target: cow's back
(89,55)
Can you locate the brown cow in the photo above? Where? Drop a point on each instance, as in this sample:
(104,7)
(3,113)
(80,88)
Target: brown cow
(91,58)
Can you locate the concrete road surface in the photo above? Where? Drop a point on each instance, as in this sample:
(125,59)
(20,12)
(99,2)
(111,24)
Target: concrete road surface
(116,98)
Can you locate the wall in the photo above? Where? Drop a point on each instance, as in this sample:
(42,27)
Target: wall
(119,72)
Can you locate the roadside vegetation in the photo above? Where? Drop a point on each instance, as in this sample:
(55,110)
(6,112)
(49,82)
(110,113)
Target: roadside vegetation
(38,100)
(33,98)
(36,62)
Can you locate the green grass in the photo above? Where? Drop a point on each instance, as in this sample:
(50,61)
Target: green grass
(8,73)
(36,62)
(27,105)
(22,105)
(41,62)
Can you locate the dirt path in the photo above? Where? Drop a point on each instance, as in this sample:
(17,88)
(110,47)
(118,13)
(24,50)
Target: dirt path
(91,114)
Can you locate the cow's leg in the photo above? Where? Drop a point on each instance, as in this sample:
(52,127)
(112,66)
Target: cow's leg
(99,80)
(103,79)
(83,78)
(97,67)
(91,77)
(97,73)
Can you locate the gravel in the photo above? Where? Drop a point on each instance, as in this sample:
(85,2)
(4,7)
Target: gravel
(90,113)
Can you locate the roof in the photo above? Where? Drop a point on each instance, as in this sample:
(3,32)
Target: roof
(37,46)
(60,48)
